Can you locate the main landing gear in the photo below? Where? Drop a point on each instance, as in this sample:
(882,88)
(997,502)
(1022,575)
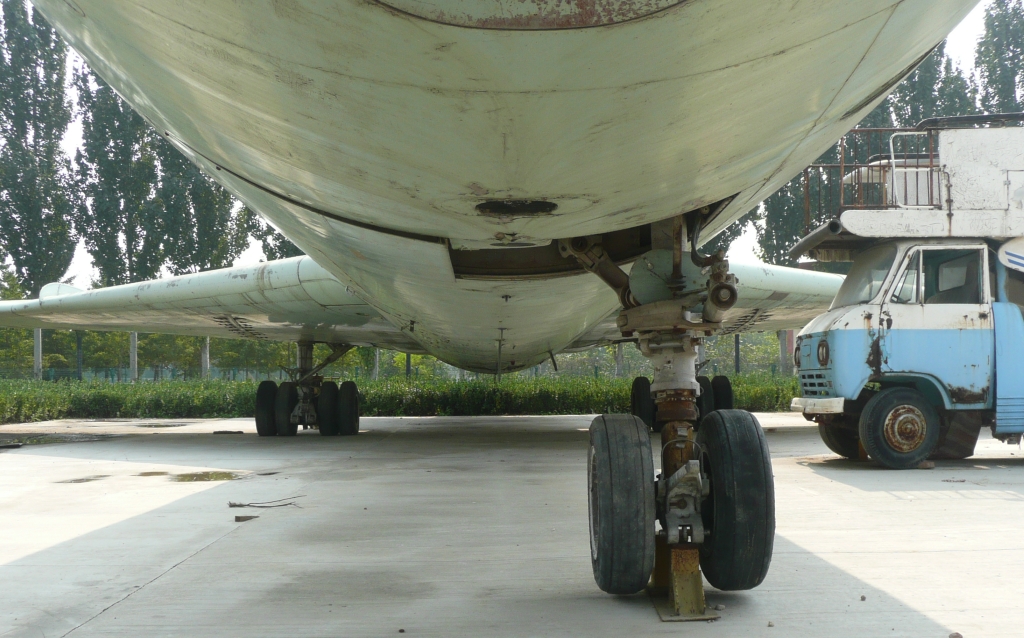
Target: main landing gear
(712,507)
(308,400)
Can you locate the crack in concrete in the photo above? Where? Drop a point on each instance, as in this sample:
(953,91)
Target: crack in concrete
(146,584)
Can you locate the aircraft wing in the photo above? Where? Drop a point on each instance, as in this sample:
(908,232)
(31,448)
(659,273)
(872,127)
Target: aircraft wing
(295,299)
(286,300)
(771,298)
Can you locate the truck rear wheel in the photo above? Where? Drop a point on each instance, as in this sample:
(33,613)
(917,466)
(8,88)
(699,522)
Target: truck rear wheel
(841,439)
(960,436)
(898,428)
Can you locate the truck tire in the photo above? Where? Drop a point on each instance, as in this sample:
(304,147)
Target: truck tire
(898,428)
(958,438)
(841,439)
(739,512)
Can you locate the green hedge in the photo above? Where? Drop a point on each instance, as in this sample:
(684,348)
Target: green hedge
(23,401)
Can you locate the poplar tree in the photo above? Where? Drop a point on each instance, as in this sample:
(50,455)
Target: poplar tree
(36,192)
(203,229)
(120,218)
(275,245)
(999,58)
(935,88)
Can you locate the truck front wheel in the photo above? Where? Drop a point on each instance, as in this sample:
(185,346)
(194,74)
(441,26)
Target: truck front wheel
(841,438)
(898,428)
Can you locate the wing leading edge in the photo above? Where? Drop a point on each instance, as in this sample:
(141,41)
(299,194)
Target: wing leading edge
(286,300)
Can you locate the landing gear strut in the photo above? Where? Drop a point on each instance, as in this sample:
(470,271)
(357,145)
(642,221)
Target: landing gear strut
(308,400)
(714,499)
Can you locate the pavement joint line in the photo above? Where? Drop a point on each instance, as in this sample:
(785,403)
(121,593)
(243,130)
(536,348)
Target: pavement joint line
(146,584)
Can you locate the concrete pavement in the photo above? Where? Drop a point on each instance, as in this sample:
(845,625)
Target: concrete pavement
(466,526)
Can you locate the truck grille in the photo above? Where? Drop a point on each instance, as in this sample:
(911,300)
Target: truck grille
(815,384)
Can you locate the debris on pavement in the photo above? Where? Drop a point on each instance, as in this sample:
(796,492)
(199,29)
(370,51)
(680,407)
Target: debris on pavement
(269,504)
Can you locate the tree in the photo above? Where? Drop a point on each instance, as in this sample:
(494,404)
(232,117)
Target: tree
(202,228)
(36,193)
(120,217)
(936,88)
(781,223)
(15,343)
(275,245)
(999,58)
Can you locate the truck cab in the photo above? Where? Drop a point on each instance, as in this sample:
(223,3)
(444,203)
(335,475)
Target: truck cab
(924,342)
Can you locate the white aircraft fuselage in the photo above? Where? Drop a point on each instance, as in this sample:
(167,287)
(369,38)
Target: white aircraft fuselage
(379,136)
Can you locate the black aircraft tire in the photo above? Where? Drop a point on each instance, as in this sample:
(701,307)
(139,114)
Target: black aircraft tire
(844,441)
(266,395)
(285,402)
(641,403)
(739,512)
(348,409)
(722,388)
(620,468)
(899,428)
(706,400)
(327,409)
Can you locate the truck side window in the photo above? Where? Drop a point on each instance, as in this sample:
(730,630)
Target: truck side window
(906,289)
(952,276)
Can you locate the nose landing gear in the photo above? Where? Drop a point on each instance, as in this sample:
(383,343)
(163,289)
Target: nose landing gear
(714,499)
(308,400)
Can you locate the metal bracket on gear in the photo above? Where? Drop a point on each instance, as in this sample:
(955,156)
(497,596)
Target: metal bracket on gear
(681,495)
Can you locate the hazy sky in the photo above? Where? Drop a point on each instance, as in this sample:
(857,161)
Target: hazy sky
(959,46)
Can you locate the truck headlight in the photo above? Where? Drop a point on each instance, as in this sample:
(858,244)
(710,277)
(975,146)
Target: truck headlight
(823,352)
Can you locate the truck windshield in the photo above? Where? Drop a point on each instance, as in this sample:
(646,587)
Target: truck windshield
(866,276)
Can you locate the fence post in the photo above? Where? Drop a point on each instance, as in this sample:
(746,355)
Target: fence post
(736,349)
(205,358)
(133,356)
(37,353)
(408,365)
(785,351)
(376,363)
(78,343)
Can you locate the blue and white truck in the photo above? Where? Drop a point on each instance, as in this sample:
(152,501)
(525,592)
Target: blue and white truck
(924,343)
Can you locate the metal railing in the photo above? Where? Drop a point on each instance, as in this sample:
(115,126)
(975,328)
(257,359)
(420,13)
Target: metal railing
(876,169)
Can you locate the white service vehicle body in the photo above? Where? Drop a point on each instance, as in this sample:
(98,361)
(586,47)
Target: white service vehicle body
(924,342)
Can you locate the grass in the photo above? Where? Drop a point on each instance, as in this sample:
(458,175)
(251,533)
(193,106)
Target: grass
(24,401)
